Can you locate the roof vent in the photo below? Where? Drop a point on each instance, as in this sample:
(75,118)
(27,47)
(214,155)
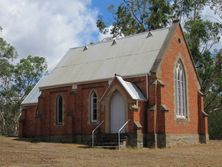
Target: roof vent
(85,48)
(149,34)
(114,42)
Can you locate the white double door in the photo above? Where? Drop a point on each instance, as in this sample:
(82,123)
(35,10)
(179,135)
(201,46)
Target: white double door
(117,112)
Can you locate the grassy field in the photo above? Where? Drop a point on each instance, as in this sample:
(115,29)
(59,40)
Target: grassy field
(24,153)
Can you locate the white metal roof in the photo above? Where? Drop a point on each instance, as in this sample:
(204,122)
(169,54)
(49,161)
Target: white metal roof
(132,89)
(132,55)
(129,56)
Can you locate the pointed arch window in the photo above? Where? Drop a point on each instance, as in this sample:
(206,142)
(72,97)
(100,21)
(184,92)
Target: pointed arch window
(59,110)
(93,107)
(180,84)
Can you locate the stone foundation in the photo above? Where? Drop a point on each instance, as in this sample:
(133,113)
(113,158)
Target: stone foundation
(173,140)
(170,140)
(135,140)
(203,138)
(149,140)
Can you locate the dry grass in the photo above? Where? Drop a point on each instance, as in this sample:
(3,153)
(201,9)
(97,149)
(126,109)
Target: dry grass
(24,153)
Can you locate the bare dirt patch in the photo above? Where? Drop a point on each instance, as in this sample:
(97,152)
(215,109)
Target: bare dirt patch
(15,152)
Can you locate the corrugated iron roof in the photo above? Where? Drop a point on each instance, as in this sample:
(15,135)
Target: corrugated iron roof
(130,56)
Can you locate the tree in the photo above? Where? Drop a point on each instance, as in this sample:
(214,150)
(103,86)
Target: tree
(16,81)
(134,16)
(7,54)
(27,73)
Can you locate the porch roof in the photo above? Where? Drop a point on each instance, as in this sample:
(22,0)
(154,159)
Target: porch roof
(132,89)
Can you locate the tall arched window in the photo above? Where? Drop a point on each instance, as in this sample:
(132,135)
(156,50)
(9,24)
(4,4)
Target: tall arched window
(181,98)
(93,107)
(59,110)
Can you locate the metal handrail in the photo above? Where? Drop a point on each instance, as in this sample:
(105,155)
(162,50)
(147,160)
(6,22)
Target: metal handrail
(93,132)
(120,131)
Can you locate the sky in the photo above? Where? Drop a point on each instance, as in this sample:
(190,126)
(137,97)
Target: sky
(48,28)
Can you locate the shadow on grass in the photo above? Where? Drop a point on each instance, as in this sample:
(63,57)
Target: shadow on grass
(34,140)
(84,146)
(31,140)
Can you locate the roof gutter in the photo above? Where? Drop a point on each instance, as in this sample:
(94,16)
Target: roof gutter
(88,82)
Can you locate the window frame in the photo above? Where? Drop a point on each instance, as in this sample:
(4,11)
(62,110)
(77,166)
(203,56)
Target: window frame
(93,107)
(59,110)
(180,91)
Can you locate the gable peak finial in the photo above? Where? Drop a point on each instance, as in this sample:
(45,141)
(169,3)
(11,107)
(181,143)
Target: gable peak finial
(149,34)
(85,48)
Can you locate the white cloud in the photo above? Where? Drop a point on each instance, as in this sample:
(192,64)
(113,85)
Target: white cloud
(107,34)
(209,14)
(47,28)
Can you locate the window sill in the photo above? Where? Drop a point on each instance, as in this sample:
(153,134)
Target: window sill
(94,122)
(181,119)
(59,124)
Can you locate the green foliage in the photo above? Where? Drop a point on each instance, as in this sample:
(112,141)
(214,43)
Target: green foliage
(16,81)
(160,14)
(134,16)
(27,73)
(188,8)
(215,125)
(6,50)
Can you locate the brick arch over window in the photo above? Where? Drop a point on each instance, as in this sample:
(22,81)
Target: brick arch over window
(93,106)
(180,88)
(59,110)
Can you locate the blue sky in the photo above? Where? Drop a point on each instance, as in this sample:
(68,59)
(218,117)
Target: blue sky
(102,6)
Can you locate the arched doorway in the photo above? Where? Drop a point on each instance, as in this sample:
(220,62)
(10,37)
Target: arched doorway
(117,112)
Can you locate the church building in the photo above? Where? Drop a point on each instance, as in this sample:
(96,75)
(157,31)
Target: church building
(141,90)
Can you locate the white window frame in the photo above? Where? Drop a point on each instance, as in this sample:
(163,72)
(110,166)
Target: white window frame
(180,89)
(93,106)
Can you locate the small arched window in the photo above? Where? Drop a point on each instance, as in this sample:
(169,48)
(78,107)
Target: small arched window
(180,84)
(59,110)
(93,107)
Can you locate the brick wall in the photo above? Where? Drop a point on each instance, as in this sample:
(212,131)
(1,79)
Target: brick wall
(76,114)
(27,121)
(176,50)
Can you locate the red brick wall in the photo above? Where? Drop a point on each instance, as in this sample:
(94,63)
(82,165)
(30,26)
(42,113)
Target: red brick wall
(47,107)
(175,51)
(83,113)
(76,116)
(27,124)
